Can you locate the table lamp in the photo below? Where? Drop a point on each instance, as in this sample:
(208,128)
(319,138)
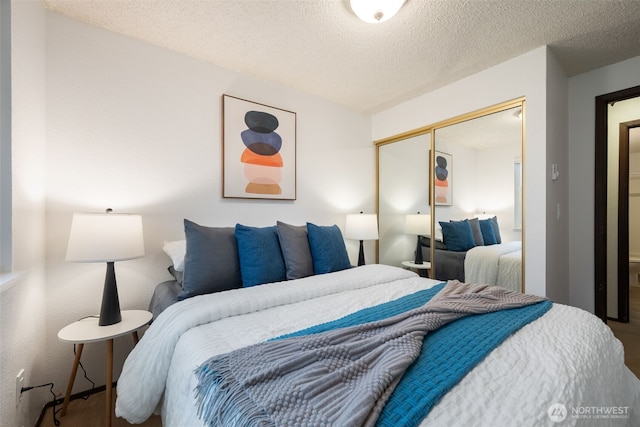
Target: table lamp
(420,225)
(107,237)
(361,227)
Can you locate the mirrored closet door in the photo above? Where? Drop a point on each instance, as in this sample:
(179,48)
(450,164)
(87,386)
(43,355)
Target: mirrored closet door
(464,176)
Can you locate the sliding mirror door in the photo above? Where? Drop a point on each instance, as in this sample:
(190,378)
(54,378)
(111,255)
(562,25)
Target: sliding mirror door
(473,173)
(478,189)
(403,188)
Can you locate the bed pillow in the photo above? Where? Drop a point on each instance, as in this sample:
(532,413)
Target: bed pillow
(260,255)
(328,251)
(176,250)
(496,229)
(177,275)
(294,243)
(457,235)
(477,232)
(488,235)
(211,261)
(426,242)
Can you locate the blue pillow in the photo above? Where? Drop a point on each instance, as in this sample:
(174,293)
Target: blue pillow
(260,256)
(457,235)
(327,249)
(488,235)
(496,229)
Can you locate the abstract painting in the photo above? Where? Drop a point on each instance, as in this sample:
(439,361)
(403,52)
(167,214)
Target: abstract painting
(443,179)
(259,150)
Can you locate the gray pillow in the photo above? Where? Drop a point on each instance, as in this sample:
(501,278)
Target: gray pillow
(294,244)
(477,232)
(211,263)
(496,229)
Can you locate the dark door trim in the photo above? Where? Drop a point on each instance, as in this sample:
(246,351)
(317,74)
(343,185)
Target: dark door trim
(600,202)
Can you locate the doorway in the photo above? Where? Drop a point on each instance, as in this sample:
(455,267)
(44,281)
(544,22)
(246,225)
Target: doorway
(602,201)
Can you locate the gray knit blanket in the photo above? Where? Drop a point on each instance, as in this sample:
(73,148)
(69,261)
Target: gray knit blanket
(341,377)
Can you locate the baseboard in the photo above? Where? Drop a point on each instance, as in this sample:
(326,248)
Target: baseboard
(59,401)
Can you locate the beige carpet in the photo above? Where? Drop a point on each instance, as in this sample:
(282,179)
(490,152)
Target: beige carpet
(629,333)
(90,413)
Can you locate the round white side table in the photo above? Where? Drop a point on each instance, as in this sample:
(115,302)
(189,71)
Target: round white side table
(87,330)
(423,269)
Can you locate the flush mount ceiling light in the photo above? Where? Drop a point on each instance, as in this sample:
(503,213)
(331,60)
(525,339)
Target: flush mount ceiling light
(375,11)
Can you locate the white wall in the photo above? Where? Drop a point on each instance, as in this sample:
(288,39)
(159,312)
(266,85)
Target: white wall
(138,128)
(526,76)
(557,211)
(22,300)
(582,92)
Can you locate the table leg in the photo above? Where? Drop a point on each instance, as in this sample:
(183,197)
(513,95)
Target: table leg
(135,337)
(109,383)
(72,379)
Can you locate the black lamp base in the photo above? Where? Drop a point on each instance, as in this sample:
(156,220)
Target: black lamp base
(110,309)
(361,254)
(418,253)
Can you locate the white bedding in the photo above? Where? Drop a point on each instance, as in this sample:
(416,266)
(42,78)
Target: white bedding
(495,265)
(568,356)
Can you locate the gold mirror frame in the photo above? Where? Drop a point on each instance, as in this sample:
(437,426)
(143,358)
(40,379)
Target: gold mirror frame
(431,129)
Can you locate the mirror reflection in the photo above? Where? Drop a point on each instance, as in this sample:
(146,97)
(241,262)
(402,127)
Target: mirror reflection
(403,188)
(477,193)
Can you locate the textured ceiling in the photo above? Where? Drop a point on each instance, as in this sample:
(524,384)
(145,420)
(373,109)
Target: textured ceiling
(321,48)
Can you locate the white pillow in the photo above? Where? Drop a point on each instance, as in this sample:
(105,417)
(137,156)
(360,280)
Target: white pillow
(176,250)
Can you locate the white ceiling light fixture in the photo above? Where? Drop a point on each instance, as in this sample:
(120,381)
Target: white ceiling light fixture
(375,11)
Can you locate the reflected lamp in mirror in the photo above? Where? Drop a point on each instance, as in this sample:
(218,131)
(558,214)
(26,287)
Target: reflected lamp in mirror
(361,227)
(107,237)
(483,215)
(420,225)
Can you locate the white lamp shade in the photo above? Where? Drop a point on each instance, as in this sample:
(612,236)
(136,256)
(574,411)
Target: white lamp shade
(375,11)
(105,237)
(361,227)
(418,224)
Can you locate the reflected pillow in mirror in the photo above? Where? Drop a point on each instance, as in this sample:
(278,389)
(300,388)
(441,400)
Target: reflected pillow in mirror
(457,235)
(496,229)
(488,235)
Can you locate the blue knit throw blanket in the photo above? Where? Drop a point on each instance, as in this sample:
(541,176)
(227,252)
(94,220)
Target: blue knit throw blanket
(343,372)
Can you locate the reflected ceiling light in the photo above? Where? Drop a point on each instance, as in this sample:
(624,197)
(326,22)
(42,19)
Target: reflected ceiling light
(518,113)
(375,11)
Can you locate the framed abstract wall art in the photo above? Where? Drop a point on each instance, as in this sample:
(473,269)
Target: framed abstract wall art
(443,179)
(259,151)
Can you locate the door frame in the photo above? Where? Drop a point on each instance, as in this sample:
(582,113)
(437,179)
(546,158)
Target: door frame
(623,220)
(600,199)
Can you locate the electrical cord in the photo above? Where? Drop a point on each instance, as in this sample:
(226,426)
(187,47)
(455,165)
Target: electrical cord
(84,373)
(53,412)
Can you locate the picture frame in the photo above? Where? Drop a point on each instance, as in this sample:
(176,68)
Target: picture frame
(258,150)
(443,179)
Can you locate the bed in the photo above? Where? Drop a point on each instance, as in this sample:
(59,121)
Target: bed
(472,251)
(567,360)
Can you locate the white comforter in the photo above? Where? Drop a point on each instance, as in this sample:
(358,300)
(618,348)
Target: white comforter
(495,265)
(568,356)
